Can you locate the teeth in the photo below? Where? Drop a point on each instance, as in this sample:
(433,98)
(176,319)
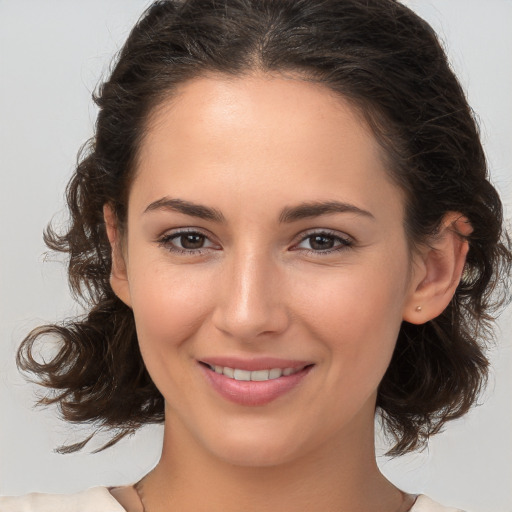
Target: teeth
(275,373)
(228,372)
(242,374)
(257,375)
(260,375)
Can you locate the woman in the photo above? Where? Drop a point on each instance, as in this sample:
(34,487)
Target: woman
(285,209)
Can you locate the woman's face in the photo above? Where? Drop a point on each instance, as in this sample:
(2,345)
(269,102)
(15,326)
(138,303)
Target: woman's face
(265,241)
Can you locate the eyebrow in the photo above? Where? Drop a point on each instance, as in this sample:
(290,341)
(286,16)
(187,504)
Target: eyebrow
(187,208)
(317,208)
(288,214)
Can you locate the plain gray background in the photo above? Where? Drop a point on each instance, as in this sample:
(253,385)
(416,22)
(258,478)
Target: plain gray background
(52,55)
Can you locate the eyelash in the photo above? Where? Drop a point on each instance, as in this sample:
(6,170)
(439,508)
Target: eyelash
(166,242)
(344,243)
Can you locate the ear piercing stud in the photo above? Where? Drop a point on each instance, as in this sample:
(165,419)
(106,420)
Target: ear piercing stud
(418,308)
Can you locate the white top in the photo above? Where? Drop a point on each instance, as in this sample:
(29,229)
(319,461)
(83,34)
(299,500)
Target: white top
(99,499)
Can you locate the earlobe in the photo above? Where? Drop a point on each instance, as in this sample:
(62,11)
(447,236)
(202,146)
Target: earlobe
(118,274)
(438,270)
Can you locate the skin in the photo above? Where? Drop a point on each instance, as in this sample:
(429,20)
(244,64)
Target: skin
(249,148)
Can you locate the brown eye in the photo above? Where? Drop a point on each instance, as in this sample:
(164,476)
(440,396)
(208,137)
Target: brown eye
(324,243)
(321,242)
(187,242)
(192,240)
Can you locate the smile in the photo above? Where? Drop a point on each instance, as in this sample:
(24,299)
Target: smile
(254,382)
(256,375)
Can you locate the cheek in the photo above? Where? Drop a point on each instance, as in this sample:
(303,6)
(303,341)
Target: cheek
(356,314)
(169,304)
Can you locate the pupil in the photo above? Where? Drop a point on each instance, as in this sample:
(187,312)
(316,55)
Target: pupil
(192,241)
(322,242)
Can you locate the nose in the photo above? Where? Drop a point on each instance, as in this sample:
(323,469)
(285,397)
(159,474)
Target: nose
(251,297)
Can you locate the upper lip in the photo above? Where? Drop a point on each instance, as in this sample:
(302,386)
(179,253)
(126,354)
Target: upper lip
(254,364)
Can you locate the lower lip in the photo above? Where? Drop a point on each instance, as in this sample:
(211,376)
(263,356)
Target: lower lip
(252,393)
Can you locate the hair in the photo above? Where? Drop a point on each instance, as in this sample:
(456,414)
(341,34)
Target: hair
(390,66)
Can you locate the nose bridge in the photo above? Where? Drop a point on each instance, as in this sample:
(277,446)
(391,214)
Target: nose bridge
(250,296)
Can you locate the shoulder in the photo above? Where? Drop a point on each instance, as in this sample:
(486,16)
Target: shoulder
(91,500)
(425,504)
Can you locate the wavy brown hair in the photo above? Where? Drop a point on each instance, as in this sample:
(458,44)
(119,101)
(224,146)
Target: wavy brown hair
(389,64)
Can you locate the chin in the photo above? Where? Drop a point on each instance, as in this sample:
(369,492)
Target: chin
(250,448)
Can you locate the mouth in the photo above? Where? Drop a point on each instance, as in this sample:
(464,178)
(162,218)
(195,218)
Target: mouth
(254,382)
(255,375)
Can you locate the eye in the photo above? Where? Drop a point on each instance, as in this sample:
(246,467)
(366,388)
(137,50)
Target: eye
(191,240)
(186,242)
(324,242)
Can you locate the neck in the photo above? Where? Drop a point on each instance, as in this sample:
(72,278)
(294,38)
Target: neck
(342,474)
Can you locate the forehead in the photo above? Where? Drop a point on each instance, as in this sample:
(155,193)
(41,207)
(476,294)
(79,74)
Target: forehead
(268,110)
(260,136)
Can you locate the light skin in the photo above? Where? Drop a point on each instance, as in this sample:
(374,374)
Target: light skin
(264,276)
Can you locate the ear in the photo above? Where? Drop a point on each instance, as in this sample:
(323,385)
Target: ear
(118,274)
(437,271)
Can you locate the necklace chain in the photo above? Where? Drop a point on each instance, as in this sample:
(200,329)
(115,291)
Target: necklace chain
(138,490)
